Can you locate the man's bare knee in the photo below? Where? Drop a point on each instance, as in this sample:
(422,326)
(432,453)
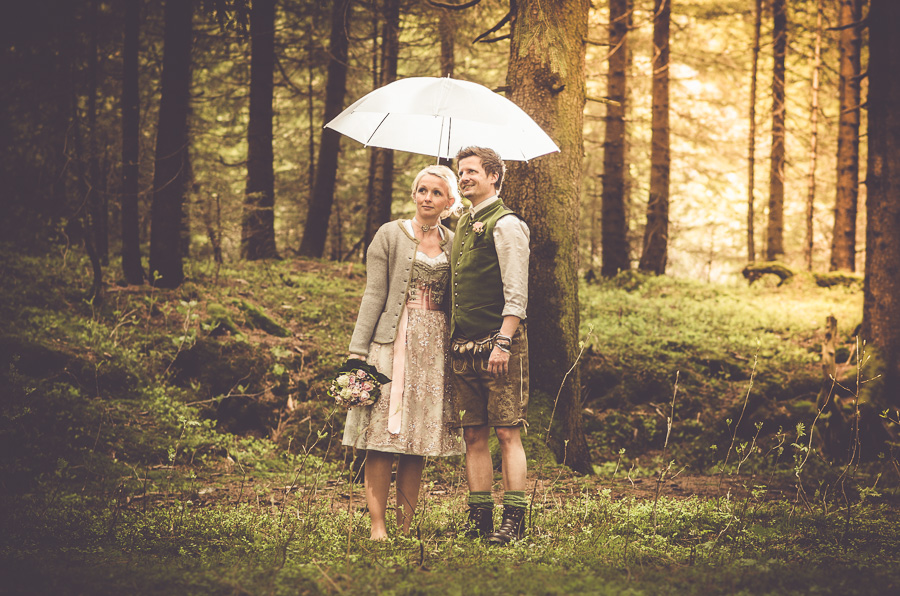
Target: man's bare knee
(476,436)
(508,435)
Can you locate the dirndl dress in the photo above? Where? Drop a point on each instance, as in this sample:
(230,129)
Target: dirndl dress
(415,417)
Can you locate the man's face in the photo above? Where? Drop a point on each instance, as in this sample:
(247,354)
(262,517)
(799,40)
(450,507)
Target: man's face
(474,184)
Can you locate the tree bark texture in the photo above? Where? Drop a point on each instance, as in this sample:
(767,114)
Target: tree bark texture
(775,225)
(131,237)
(814,142)
(97,200)
(447,29)
(881,304)
(843,243)
(546,79)
(382,177)
(656,234)
(614,224)
(258,226)
(751,140)
(322,200)
(170,176)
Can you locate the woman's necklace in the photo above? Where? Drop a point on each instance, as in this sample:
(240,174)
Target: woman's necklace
(424,227)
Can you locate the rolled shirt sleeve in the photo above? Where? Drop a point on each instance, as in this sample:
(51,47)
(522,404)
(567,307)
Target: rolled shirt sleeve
(511,238)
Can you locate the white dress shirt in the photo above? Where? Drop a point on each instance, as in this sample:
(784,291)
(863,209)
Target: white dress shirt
(511,238)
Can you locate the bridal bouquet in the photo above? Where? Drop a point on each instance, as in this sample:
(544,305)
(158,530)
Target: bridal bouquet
(356,384)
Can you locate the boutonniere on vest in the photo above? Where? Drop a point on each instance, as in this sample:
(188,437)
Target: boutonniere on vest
(478,227)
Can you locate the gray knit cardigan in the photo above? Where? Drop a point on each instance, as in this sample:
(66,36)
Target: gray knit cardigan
(389,268)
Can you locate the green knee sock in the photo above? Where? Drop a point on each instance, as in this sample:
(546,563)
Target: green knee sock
(482,499)
(515,498)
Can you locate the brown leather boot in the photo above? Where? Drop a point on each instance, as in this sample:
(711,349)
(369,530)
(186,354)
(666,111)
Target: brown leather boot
(480,523)
(511,528)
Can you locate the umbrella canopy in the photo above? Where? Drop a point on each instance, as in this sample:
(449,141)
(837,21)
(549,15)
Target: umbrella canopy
(440,116)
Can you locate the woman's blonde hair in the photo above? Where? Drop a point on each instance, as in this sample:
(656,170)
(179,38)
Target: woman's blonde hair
(447,175)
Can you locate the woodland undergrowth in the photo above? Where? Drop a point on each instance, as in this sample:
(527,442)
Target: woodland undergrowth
(175,441)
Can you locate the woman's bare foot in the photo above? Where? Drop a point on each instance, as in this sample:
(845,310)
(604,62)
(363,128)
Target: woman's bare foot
(378,533)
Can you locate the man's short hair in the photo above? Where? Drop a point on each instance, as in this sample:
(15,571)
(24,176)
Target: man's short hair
(490,161)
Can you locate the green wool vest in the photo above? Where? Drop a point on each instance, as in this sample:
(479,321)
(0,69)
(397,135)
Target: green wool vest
(477,289)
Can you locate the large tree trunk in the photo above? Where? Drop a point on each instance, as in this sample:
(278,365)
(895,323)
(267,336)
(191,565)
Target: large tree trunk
(131,238)
(258,229)
(881,306)
(814,143)
(614,224)
(656,234)
(320,204)
(751,141)
(170,176)
(546,78)
(381,176)
(843,243)
(775,226)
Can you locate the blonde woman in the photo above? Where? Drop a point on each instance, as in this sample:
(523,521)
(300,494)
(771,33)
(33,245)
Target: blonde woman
(402,329)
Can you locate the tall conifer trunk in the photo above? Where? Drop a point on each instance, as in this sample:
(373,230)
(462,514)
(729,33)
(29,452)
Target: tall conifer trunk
(814,134)
(258,229)
(656,235)
(843,243)
(751,140)
(881,305)
(131,238)
(614,224)
(381,175)
(170,175)
(775,226)
(546,78)
(322,200)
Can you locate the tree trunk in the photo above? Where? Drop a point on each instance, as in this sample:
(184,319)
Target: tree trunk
(751,143)
(447,29)
(97,199)
(131,238)
(656,234)
(814,133)
(320,204)
(843,243)
(382,177)
(614,224)
(311,74)
(775,226)
(881,306)
(546,78)
(258,229)
(170,175)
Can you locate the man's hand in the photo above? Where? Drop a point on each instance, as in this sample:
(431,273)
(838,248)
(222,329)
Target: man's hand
(498,363)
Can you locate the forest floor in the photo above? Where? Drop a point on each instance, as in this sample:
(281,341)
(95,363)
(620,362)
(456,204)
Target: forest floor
(167,442)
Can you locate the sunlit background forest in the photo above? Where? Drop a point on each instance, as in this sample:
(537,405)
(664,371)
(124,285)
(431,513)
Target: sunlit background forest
(710,78)
(716,349)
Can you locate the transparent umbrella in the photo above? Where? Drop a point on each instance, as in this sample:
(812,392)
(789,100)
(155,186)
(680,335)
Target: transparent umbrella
(440,116)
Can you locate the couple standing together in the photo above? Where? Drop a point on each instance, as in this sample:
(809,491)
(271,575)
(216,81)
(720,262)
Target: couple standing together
(444,317)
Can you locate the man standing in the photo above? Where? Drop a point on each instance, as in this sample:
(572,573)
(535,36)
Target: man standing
(489,353)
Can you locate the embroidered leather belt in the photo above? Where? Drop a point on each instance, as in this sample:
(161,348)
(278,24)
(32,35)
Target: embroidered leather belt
(461,345)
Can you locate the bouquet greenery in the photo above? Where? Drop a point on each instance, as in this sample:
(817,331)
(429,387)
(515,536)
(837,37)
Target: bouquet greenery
(356,384)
